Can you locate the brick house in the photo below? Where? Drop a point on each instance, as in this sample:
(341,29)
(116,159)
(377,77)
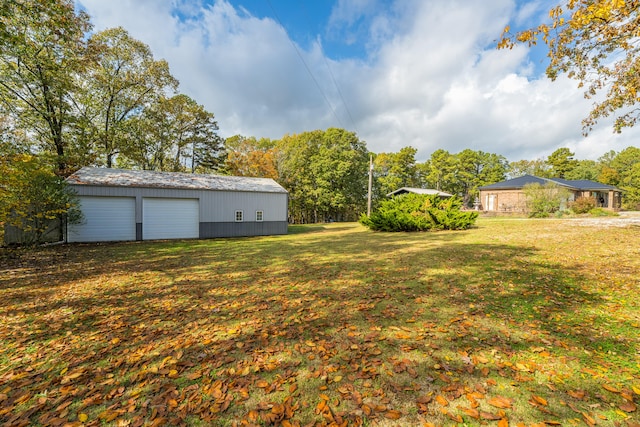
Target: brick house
(507,196)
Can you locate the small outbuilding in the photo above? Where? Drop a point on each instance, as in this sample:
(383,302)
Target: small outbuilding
(122,205)
(429,191)
(508,196)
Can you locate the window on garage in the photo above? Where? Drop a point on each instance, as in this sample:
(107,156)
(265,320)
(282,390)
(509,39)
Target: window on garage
(239,216)
(259,216)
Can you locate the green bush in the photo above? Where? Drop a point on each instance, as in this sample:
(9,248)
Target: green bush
(415,212)
(543,200)
(602,212)
(582,205)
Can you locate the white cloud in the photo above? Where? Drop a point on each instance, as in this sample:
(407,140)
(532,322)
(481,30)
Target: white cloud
(434,79)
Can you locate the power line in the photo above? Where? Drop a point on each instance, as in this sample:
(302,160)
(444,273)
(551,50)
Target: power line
(335,83)
(275,14)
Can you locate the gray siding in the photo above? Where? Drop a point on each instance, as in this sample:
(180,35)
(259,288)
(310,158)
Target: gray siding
(13,235)
(217,208)
(240,229)
(221,206)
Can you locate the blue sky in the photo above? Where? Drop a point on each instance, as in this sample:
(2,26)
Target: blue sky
(421,73)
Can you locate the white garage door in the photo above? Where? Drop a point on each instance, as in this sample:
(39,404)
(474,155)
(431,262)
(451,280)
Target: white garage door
(170,219)
(105,219)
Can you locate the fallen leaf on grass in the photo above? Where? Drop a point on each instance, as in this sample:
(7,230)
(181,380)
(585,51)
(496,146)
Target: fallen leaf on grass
(472,412)
(577,394)
(455,417)
(489,416)
(442,400)
(500,402)
(537,400)
(588,419)
(393,414)
(628,407)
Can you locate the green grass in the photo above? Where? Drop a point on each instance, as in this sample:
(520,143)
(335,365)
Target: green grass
(331,323)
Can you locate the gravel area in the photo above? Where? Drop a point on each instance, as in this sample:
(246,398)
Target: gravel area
(625,219)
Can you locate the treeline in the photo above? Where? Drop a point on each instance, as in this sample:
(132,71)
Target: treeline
(326,172)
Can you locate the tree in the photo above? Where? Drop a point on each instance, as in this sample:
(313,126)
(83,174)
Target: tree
(607,174)
(247,156)
(631,184)
(440,170)
(538,167)
(12,139)
(475,169)
(325,173)
(584,169)
(395,170)
(595,43)
(172,134)
(41,54)
(340,172)
(561,162)
(123,79)
(542,200)
(33,199)
(627,165)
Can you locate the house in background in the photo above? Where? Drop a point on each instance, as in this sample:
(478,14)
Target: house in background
(405,190)
(145,205)
(508,196)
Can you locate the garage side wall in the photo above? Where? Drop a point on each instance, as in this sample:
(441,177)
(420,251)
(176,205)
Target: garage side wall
(218,210)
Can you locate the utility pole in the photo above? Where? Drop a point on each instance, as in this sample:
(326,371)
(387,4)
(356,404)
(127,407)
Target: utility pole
(370,184)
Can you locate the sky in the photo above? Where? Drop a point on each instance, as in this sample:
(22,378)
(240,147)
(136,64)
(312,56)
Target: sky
(419,73)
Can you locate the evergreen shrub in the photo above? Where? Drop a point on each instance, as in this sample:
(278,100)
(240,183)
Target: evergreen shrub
(417,212)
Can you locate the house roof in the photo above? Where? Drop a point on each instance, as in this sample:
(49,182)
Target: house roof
(429,191)
(585,184)
(521,181)
(153,179)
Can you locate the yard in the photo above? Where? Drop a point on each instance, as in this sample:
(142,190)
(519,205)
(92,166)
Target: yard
(514,322)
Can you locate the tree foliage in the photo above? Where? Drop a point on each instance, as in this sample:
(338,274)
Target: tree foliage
(627,166)
(33,198)
(416,212)
(122,80)
(395,170)
(475,169)
(561,162)
(584,169)
(596,43)
(248,156)
(439,170)
(325,174)
(543,200)
(173,134)
(537,167)
(41,52)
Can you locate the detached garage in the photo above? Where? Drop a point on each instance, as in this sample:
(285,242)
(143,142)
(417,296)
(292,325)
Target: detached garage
(144,205)
(105,218)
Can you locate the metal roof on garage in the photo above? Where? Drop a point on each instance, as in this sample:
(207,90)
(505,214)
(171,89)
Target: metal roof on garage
(153,179)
